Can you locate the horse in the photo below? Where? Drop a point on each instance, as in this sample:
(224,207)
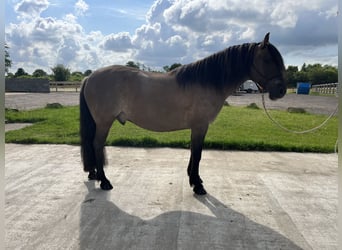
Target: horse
(188,97)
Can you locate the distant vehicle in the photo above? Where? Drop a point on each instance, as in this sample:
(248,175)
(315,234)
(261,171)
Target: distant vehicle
(249,86)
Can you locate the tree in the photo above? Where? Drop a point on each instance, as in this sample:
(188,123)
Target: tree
(39,73)
(8,61)
(313,73)
(87,72)
(138,65)
(301,76)
(172,67)
(133,64)
(303,67)
(331,74)
(291,75)
(20,72)
(61,73)
(76,76)
(318,74)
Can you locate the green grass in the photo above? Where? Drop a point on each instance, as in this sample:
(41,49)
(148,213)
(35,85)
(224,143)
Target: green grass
(236,128)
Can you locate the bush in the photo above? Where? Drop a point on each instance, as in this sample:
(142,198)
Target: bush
(253,106)
(61,73)
(54,105)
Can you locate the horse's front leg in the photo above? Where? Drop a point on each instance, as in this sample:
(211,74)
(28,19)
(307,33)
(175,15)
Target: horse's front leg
(197,139)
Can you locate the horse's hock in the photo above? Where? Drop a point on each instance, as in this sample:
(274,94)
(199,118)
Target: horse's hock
(27,85)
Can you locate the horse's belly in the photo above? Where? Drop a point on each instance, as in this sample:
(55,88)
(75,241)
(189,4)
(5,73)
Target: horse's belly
(159,122)
(168,108)
(169,118)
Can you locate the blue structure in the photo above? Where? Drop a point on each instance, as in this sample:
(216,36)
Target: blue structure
(303,88)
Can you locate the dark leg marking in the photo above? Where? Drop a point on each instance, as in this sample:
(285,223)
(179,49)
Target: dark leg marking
(197,139)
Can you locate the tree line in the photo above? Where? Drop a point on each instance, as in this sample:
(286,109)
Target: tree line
(59,73)
(313,73)
(62,73)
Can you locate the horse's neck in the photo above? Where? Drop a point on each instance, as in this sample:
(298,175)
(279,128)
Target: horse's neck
(239,60)
(229,89)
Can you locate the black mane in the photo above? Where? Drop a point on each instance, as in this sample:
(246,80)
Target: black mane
(276,56)
(229,65)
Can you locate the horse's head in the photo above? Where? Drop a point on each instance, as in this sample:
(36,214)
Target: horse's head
(268,69)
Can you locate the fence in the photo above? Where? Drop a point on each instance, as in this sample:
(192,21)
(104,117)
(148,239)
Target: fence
(328,88)
(65,86)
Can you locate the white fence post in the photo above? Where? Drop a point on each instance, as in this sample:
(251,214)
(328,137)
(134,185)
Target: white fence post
(327,88)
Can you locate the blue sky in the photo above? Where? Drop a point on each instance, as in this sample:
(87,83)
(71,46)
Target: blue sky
(108,17)
(88,34)
(100,15)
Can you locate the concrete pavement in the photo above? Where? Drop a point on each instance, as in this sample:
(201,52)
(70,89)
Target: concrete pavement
(256,200)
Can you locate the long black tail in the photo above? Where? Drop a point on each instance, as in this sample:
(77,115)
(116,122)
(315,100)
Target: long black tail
(87,133)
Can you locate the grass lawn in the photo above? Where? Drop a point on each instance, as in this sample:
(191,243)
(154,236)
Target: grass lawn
(236,128)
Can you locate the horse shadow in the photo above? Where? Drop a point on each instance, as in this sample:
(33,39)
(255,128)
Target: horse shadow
(103,225)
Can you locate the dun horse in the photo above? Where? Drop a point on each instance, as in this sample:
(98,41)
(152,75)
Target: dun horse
(189,97)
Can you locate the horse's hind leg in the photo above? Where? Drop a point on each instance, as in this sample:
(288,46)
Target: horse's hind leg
(190,167)
(197,139)
(99,142)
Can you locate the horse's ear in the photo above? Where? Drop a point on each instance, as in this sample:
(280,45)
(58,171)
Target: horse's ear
(266,41)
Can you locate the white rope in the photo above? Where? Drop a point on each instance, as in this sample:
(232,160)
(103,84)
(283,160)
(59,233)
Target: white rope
(295,131)
(304,131)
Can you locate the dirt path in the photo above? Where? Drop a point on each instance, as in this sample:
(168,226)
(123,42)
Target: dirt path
(312,104)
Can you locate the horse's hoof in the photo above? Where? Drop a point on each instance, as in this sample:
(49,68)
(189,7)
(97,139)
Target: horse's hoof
(199,190)
(105,185)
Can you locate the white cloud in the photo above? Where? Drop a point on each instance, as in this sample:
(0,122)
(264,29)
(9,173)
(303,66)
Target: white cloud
(283,16)
(330,13)
(164,52)
(120,42)
(156,12)
(31,8)
(175,31)
(248,34)
(81,7)
(45,41)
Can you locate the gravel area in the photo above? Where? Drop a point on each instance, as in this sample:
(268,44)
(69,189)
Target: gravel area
(24,101)
(312,104)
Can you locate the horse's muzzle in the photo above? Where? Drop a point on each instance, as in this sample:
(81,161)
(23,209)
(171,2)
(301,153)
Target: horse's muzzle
(277,90)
